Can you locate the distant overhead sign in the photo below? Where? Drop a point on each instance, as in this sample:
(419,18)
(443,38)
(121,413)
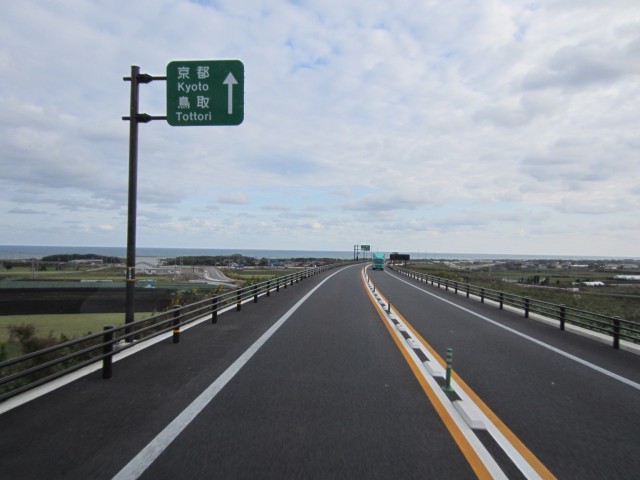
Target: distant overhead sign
(205,92)
(365,248)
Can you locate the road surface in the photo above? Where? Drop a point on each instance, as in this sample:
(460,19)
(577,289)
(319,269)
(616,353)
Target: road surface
(314,382)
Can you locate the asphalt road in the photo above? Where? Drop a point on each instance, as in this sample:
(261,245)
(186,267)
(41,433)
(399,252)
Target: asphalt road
(541,382)
(308,383)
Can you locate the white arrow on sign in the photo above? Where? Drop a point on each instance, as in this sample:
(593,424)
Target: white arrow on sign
(230,81)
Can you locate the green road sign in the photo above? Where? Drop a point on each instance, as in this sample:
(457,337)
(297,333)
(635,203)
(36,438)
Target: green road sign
(205,92)
(365,248)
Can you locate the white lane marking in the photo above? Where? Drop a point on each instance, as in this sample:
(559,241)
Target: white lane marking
(466,414)
(474,442)
(579,360)
(148,454)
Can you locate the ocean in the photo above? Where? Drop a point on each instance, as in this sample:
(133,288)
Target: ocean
(21,252)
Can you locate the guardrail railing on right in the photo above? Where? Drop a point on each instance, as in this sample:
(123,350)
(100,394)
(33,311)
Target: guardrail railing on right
(615,327)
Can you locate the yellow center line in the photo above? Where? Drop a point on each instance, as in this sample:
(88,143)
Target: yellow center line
(467,450)
(533,461)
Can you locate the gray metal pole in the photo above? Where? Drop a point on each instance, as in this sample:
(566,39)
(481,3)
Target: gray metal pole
(133,192)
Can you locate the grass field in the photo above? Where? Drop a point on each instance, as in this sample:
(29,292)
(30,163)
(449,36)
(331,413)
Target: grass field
(69,325)
(613,300)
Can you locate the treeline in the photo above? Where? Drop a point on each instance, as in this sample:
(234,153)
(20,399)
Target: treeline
(68,257)
(240,259)
(212,260)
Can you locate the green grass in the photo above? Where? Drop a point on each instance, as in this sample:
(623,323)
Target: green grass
(71,325)
(623,301)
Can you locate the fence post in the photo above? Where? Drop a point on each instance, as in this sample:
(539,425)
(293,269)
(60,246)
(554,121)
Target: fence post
(526,307)
(214,310)
(616,332)
(239,300)
(446,285)
(255,294)
(482,295)
(467,289)
(501,300)
(455,285)
(563,316)
(268,288)
(107,349)
(277,284)
(176,325)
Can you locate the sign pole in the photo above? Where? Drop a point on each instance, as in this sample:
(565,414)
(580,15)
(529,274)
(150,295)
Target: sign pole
(133,193)
(204,92)
(134,119)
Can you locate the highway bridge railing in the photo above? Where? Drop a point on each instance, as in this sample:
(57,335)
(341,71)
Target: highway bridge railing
(17,375)
(615,327)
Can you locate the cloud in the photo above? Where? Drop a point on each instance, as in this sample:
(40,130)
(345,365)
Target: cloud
(234,199)
(432,118)
(581,66)
(25,211)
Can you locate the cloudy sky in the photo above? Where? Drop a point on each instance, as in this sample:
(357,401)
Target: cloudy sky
(425,126)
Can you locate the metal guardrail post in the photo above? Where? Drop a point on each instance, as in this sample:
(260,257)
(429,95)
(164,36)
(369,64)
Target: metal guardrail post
(238,301)
(214,310)
(526,307)
(501,300)
(268,288)
(176,325)
(563,316)
(255,294)
(278,284)
(107,349)
(446,285)
(616,332)
(482,295)
(455,285)
(467,290)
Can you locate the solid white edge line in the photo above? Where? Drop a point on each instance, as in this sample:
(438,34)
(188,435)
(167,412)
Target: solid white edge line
(152,451)
(48,387)
(579,360)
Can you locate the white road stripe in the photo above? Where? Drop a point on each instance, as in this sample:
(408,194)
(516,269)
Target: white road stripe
(466,414)
(148,454)
(579,360)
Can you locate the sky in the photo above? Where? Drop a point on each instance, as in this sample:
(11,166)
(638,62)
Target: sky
(507,127)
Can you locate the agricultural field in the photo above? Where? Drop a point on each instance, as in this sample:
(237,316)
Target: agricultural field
(250,276)
(61,275)
(58,326)
(559,286)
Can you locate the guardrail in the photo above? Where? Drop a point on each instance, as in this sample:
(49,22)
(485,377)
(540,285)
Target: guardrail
(617,328)
(26,372)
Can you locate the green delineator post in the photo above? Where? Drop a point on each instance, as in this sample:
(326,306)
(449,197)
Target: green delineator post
(205,92)
(447,384)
